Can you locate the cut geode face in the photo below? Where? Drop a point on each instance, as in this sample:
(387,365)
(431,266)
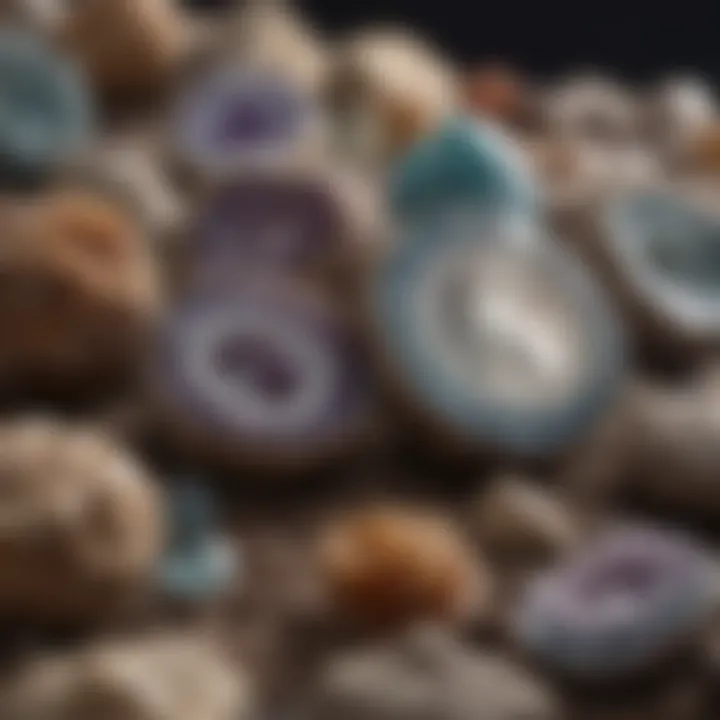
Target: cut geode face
(235,119)
(266,371)
(465,162)
(277,224)
(664,249)
(623,603)
(46,112)
(506,344)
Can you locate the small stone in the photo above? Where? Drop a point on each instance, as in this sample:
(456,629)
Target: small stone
(149,678)
(427,675)
(388,567)
(388,88)
(519,519)
(81,523)
(495,91)
(591,107)
(80,292)
(130,48)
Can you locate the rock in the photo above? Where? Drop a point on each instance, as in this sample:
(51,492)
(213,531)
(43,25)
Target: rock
(515,518)
(387,88)
(591,107)
(129,48)
(147,678)
(388,567)
(81,291)
(37,138)
(81,524)
(426,675)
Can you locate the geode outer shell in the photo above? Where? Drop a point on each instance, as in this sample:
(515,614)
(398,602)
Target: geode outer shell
(387,88)
(81,524)
(80,292)
(146,678)
(673,445)
(129,48)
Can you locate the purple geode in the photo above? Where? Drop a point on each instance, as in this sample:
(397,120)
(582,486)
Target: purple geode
(618,605)
(268,223)
(261,367)
(234,116)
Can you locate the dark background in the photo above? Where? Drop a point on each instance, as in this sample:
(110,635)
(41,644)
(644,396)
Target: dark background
(636,40)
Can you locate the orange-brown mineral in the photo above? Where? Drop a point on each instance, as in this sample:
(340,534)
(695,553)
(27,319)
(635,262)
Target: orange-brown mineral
(79,291)
(387,567)
(494,91)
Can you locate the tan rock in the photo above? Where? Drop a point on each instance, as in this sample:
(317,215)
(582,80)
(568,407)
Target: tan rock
(80,523)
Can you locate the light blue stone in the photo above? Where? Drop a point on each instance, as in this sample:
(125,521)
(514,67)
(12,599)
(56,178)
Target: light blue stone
(45,109)
(199,563)
(467,162)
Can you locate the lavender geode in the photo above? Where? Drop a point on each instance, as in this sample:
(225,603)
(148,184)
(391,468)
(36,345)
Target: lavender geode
(234,118)
(619,605)
(261,368)
(284,224)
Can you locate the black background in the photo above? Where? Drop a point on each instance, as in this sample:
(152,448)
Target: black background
(638,41)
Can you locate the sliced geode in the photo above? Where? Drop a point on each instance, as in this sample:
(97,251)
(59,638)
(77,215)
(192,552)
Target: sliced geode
(264,374)
(658,249)
(625,604)
(302,226)
(231,120)
(502,340)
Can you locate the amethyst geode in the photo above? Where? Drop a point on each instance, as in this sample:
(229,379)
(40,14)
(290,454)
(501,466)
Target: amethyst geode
(233,118)
(620,606)
(285,224)
(260,372)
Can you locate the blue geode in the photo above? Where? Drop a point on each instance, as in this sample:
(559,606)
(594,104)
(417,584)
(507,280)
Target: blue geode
(198,562)
(665,248)
(619,605)
(45,109)
(466,162)
(502,338)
